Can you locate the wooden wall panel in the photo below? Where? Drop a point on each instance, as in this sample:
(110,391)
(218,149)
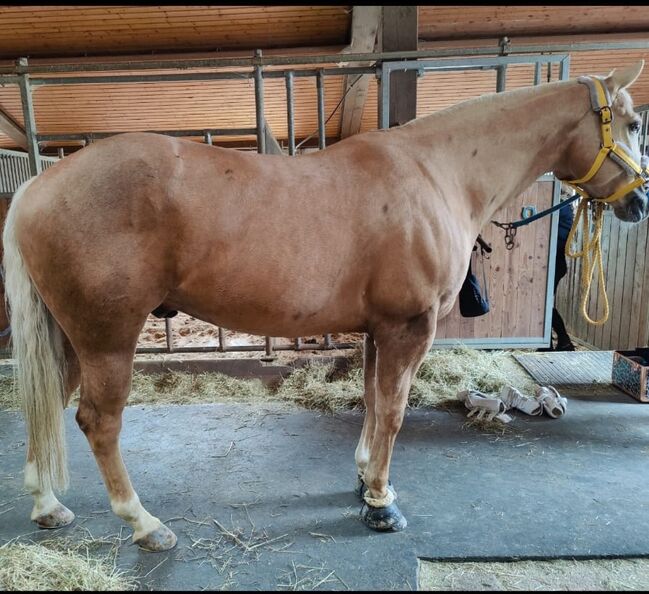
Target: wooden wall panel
(625,249)
(516,279)
(168,106)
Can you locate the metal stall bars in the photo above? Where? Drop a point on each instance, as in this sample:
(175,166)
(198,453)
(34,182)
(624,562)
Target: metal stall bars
(500,65)
(27,82)
(15,169)
(258,75)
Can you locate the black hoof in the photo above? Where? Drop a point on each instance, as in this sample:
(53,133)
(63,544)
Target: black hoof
(361,487)
(383,519)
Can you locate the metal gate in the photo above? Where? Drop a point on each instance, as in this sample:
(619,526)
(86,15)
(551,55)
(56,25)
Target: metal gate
(265,142)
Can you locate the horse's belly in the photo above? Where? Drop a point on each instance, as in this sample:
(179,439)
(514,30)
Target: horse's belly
(246,305)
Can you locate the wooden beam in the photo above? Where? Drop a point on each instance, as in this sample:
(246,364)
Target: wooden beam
(12,129)
(399,33)
(272,146)
(364,29)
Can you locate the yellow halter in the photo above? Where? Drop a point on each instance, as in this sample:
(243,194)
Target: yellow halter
(591,250)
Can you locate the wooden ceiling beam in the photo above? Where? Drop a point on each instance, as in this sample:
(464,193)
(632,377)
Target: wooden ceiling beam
(13,129)
(364,29)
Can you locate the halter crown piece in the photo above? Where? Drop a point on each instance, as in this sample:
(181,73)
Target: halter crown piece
(591,250)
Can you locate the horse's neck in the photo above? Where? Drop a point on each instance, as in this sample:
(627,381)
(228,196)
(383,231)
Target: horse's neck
(487,151)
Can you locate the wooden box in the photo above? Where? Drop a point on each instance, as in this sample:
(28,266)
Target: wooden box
(631,372)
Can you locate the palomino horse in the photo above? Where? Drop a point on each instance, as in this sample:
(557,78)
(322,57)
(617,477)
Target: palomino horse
(137,221)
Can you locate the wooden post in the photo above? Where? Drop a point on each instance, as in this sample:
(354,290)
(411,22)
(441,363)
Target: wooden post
(30,120)
(366,22)
(399,33)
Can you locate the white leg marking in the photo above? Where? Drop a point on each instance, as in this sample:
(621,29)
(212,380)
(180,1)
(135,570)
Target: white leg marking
(44,498)
(362,454)
(133,512)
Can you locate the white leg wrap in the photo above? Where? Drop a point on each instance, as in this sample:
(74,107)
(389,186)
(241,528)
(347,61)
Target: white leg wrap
(384,502)
(44,499)
(133,512)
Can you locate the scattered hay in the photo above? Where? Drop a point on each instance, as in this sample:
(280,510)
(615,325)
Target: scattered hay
(446,371)
(184,388)
(226,549)
(441,375)
(308,577)
(8,395)
(61,564)
(320,386)
(554,575)
(312,386)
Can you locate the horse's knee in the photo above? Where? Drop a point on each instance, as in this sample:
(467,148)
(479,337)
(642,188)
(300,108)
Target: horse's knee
(390,420)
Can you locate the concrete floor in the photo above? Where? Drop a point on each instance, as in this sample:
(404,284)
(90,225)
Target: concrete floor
(576,486)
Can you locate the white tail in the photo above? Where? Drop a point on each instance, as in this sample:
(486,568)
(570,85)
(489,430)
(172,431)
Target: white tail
(37,346)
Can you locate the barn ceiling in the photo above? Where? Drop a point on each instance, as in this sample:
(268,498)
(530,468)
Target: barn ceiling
(52,34)
(109,30)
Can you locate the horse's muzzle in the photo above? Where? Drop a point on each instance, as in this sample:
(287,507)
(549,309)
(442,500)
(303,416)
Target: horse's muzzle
(637,207)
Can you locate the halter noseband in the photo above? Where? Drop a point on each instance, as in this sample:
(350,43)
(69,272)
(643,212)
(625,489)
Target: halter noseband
(601,103)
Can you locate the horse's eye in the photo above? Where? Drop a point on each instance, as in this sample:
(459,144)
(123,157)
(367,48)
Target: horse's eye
(634,126)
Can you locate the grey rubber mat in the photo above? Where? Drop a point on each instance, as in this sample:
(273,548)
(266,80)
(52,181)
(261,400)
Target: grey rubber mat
(576,486)
(569,368)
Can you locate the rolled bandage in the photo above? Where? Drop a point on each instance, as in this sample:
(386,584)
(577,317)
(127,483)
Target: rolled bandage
(384,502)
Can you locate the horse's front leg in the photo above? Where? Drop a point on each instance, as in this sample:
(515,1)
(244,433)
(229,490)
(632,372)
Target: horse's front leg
(362,454)
(400,348)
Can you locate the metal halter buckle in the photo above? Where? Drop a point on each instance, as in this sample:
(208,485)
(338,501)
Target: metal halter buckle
(510,233)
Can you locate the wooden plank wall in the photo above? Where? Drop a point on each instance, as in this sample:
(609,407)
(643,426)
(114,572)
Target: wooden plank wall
(625,253)
(517,279)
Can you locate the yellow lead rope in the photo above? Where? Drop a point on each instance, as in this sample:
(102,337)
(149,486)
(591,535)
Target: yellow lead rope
(591,254)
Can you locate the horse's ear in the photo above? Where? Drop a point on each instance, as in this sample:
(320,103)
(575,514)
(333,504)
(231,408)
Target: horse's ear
(621,78)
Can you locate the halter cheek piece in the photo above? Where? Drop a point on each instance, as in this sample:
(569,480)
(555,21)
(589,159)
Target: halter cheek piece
(601,103)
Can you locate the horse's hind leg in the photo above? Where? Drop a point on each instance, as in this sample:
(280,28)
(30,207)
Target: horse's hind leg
(105,385)
(48,511)
(401,348)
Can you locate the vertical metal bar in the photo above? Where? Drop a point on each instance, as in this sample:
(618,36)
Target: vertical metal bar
(61,152)
(30,122)
(4,176)
(645,129)
(501,78)
(551,262)
(321,145)
(321,108)
(564,68)
(222,340)
(537,73)
(290,105)
(169,335)
(549,75)
(261,142)
(384,97)
(290,120)
(259,107)
(24,170)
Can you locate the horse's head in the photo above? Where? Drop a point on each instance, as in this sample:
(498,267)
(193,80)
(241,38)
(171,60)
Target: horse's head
(603,160)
